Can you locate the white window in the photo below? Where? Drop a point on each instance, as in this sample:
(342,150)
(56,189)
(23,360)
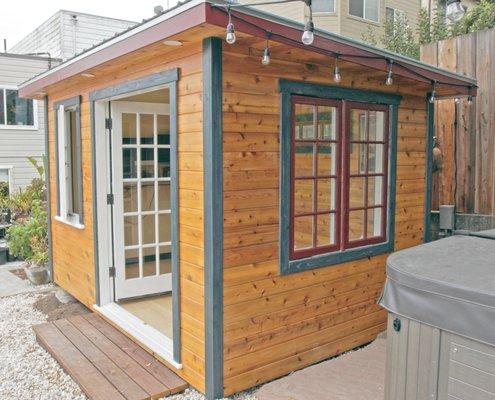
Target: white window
(394,15)
(323,6)
(367,9)
(5,180)
(69,163)
(15,112)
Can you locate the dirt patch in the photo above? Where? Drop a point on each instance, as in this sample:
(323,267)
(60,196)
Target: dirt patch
(19,272)
(54,309)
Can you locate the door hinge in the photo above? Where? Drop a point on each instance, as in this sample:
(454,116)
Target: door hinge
(110,198)
(108,123)
(111,272)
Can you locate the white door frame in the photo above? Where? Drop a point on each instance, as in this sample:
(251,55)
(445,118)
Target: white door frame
(158,343)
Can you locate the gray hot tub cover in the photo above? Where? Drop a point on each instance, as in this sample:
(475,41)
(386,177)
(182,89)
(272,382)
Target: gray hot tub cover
(448,284)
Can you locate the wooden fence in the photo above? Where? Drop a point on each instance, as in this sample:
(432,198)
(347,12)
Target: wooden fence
(466,133)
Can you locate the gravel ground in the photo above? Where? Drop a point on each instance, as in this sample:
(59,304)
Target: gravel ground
(26,370)
(191,394)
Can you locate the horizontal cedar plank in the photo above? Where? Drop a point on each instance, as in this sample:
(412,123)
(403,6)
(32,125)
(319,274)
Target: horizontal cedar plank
(249,199)
(191,180)
(249,83)
(250,254)
(272,303)
(245,236)
(190,141)
(191,254)
(191,217)
(91,381)
(320,352)
(284,350)
(262,324)
(251,122)
(192,273)
(286,332)
(251,272)
(192,343)
(249,141)
(250,161)
(191,198)
(190,161)
(244,180)
(194,328)
(256,289)
(191,236)
(194,361)
(191,307)
(251,217)
(192,290)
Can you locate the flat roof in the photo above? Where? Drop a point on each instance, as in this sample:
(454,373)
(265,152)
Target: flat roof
(252,21)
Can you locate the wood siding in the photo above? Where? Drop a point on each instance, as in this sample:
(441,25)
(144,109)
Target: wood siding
(73,248)
(276,324)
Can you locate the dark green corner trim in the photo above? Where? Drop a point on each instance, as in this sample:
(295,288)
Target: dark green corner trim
(72,102)
(146,82)
(213,215)
(46,162)
(337,92)
(94,186)
(289,88)
(429,167)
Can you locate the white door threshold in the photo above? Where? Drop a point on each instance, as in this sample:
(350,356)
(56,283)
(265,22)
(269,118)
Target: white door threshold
(148,336)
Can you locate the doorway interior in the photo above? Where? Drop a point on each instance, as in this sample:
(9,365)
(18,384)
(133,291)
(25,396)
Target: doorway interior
(136,204)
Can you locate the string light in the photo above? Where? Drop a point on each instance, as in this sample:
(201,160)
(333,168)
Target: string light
(265,60)
(230,37)
(457,100)
(336,70)
(470,100)
(433,92)
(308,35)
(390,80)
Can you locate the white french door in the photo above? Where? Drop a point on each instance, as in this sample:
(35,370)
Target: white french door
(142,213)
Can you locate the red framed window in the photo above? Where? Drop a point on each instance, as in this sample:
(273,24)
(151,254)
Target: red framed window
(339,160)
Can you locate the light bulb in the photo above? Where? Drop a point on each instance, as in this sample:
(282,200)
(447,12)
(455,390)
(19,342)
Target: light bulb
(308,36)
(470,100)
(457,100)
(230,37)
(390,79)
(265,60)
(432,97)
(336,74)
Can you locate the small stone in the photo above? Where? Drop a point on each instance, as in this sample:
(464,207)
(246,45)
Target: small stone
(64,297)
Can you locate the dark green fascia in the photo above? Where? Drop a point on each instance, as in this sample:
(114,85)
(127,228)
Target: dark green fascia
(67,103)
(213,215)
(337,92)
(429,167)
(289,88)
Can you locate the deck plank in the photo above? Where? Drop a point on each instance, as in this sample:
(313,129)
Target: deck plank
(129,389)
(141,356)
(133,369)
(91,381)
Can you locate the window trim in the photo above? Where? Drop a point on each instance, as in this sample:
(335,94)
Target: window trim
(288,89)
(10,170)
(5,126)
(363,18)
(324,13)
(76,220)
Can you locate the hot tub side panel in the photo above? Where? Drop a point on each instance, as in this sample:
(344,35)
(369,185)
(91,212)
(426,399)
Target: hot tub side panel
(273,323)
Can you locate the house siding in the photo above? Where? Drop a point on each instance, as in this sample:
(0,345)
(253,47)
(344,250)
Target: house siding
(273,323)
(64,36)
(18,144)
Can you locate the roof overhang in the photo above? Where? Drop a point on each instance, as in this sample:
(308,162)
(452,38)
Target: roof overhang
(256,23)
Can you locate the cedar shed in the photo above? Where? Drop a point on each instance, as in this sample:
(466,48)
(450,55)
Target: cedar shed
(234,216)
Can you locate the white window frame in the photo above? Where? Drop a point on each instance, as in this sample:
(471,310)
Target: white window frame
(9,169)
(398,13)
(64,176)
(363,18)
(33,127)
(334,11)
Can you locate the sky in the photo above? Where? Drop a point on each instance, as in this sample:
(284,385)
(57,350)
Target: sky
(20,17)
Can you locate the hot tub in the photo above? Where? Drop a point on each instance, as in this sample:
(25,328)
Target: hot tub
(441,328)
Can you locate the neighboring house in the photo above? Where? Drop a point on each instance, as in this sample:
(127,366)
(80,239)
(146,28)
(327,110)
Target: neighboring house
(351,18)
(255,203)
(67,33)
(22,121)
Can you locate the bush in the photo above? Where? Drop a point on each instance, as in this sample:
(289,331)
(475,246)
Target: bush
(28,236)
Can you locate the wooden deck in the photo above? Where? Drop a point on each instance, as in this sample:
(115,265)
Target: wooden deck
(104,362)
